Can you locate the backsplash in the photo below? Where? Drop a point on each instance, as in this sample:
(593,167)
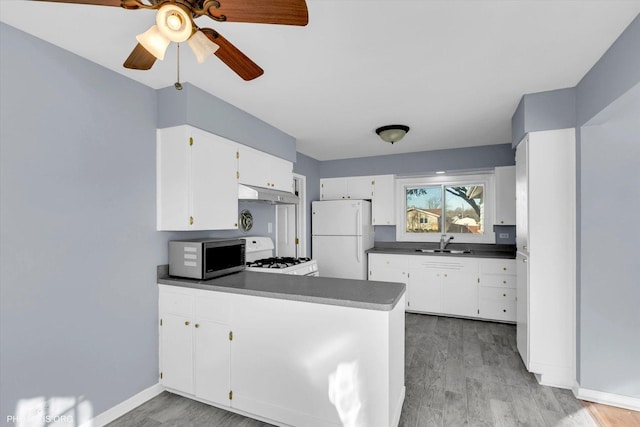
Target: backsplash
(505,234)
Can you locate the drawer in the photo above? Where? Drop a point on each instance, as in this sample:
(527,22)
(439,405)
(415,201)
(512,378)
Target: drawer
(498,266)
(497,310)
(501,280)
(388,261)
(496,294)
(215,307)
(176,303)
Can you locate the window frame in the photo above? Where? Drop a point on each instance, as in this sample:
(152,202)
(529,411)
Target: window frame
(487,179)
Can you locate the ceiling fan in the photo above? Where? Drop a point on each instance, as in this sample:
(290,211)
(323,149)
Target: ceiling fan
(175,22)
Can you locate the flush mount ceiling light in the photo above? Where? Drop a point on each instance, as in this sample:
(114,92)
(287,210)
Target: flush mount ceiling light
(392,133)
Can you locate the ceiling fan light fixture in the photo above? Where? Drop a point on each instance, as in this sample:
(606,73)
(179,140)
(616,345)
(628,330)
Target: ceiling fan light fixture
(174,23)
(202,46)
(392,133)
(154,42)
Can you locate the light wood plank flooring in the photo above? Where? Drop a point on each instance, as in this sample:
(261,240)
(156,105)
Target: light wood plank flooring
(610,416)
(458,373)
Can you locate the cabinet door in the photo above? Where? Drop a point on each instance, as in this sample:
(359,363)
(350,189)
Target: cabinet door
(172,179)
(425,286)
(360,187)
(212,361)
(390,268)
(333,188)
(214,183)
(252,169)
(176,335)
(522,308)
(497,303)
(460,286)
(383,202)
(505,195)
(281,174)
(522,196)
(460,293)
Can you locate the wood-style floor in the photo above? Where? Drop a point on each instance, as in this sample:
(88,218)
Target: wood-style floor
(458,373)
(610,416)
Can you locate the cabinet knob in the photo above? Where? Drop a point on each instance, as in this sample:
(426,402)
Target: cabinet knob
(504,268)
(504,311)
(501,222)
(504,295)
(445,275)
(190,220)
(187,323)
(504,282)
(197,325)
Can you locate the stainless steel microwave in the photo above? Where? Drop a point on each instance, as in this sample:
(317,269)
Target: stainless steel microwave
(206,258)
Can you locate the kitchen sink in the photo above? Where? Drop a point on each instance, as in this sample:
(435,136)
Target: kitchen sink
(444,251)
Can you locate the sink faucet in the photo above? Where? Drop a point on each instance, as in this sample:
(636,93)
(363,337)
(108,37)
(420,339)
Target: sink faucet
(443,242)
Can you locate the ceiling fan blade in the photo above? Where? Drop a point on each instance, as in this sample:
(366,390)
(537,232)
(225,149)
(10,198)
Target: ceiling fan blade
(140,59)
(233,57)
(284,12)
(116,3)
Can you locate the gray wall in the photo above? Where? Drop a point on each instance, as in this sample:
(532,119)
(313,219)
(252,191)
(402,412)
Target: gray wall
(78,245)
(310,168)
(555,109)
(609,292)
(608,114)
(195,107)
(607,117)
(460,159)
(78,306)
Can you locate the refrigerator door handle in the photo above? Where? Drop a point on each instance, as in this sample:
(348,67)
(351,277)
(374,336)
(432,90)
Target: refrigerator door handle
(358,248)
(357,220)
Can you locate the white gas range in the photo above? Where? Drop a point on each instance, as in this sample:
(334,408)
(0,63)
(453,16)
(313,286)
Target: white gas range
(259,257)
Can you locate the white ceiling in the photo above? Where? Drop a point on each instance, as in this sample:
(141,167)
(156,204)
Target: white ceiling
(452,70)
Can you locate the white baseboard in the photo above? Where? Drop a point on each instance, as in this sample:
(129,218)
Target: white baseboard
(122,408)
(618,400)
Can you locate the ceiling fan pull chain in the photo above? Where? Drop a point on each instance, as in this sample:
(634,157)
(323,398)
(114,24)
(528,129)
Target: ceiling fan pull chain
(177,84)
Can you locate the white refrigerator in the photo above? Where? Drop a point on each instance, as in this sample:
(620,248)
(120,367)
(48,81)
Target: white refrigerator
(341,233)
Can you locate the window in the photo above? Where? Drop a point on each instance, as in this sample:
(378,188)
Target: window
(452,205)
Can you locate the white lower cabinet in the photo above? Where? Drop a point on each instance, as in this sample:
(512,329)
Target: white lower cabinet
(390,268)
(458,286)
(194,343)
(287,362)
(446,285)
(497,290)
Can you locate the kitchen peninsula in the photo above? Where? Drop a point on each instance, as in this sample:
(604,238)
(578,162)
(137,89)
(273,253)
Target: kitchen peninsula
(286,349)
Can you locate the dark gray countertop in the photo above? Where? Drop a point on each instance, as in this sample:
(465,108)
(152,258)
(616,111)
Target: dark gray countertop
(364,294)
(476,250)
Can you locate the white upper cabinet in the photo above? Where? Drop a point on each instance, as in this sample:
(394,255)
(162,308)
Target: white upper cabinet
(380,189)
(383,202)
(264,170)
(351,187)
(197,188)
(505,195)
